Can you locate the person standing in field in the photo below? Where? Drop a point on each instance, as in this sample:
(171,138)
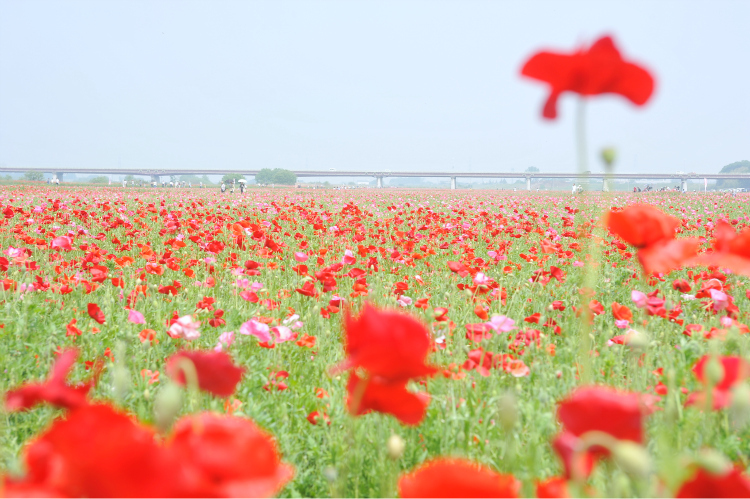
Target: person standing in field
(223,188)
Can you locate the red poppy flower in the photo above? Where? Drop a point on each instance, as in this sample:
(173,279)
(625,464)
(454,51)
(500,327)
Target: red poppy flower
(729,483)
(456,478)
(734,370)
(96,313)
(621,312)
(389,345)
(653,233)
(388,397)
(228,456)
(600,69)
(216,372)
(600,408)
(62,242)
(97,451)
(730,250)
(55,390)
(555,487)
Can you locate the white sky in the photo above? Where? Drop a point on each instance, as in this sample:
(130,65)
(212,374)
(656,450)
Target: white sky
(361,85)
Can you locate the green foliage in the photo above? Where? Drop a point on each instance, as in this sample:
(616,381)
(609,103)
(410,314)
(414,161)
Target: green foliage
(195,179)
(736,167)
(99,180)
(276,176)
(227,179)
(532,169)
(35,176)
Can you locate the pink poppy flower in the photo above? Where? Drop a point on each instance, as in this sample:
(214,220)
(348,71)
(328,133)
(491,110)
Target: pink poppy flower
(501,324)
(136,317)
(638,298)
(186,328)
(257,329)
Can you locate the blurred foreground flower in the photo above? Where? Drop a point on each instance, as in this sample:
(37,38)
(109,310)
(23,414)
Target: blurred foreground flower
(456,478)
(653,233)
(600,69)
(391,348)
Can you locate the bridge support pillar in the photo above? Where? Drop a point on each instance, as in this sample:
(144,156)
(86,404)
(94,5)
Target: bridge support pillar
(683,185)
(58,176)
(155,178)
(379,182)
(528,183)
(605,185)
(453,183)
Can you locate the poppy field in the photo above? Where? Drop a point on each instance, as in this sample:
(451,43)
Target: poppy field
(373,343)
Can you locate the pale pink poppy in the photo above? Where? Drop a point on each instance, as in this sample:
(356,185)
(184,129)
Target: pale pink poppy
(638,298)
(257,329)
(720,299)
(283,334)
(136,317)
(225,341)
(185,327)
(501,324)
(404,301)
(300,257)
(349,258)
(481,279)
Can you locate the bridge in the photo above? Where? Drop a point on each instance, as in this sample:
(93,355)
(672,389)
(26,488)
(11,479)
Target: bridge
(379,175)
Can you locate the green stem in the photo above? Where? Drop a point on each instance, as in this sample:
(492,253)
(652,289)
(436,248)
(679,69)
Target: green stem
(581,134)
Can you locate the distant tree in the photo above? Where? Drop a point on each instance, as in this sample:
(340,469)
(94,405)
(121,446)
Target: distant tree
(129,178)
(265,176)
(99,180)
(227,179)
(532,169)
(736,167)
(37,176)
(173,178)
(284,177)
(276,176)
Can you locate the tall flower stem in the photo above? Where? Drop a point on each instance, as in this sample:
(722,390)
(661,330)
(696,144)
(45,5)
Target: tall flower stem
(581,134)
(584,339)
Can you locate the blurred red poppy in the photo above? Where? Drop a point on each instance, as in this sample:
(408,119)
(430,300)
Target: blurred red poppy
(388,397)
(228,456)
(55,390)
(653,233)
(621,312)
(389,345)
(216,372)
(456,478)
(730,250)
(600,69)
(704,483)
(97,451)
(600,408)
(96,313)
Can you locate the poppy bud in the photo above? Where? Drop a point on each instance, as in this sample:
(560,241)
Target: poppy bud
(507,411)
(714,371)
(609,154)
(330,473)
(167,406)
(739,410)
(713,461)
(396,446)
(632,458)
(638,342)
(120,381)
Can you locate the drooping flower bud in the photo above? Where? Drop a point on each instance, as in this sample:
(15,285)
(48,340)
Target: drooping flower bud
(167,406)
(507,411)
(396,446)
(632,458)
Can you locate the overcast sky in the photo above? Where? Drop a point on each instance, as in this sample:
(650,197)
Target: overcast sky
(361,85)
